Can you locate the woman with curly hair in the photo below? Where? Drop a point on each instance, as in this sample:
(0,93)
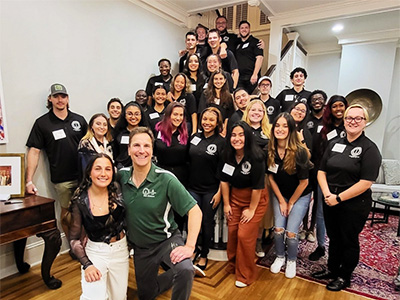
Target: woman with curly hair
(217,94)
(288,168)
(97,207)
(132,116)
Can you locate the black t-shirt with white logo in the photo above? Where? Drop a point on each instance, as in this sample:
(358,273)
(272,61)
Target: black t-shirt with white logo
(60,139)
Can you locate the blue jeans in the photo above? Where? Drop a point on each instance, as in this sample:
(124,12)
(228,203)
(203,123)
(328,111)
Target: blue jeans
(290,223)
(320,223)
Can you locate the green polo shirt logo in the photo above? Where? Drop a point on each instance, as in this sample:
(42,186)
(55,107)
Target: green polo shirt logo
(147,193)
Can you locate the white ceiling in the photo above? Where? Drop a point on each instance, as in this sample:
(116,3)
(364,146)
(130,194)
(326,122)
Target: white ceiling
(374,16)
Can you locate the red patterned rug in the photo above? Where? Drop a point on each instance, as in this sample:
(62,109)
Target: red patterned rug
(379,261)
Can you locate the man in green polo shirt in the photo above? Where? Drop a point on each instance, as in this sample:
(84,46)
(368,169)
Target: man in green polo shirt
(151,194)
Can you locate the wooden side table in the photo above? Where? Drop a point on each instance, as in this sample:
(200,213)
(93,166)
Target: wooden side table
(35,215)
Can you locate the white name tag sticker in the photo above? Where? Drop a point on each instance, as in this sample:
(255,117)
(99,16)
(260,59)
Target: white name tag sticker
(331,134)
(159,135)
(289,97)
(339,148)
(245,45)
(154,115)
(205,86)
(319,128)
(195,140)
(125,139)
(228,169)
(273,169)
(193,87)
(59,134)
(158,83)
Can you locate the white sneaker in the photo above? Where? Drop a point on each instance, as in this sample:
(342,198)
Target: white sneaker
(240,284)
(277,265)
(259,249)
(302,235)
(311,237)
(290,269)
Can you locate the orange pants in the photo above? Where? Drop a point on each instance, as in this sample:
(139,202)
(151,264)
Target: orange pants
(242,238)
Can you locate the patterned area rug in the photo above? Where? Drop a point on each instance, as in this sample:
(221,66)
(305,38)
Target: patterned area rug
(379,261)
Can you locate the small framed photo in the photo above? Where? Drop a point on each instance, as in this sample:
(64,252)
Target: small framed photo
(12,174)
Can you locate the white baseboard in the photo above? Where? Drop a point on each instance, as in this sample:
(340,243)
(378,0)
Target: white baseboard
(33,255)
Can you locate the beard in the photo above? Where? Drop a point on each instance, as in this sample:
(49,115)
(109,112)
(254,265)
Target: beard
(244,36)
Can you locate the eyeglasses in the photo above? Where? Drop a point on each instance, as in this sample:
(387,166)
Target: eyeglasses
(300,110)
(356,119)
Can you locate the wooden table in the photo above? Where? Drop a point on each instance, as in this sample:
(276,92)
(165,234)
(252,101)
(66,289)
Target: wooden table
(34,216)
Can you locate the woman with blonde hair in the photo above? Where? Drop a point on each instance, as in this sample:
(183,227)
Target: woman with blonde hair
(288,168)
(256,116)
(96,140)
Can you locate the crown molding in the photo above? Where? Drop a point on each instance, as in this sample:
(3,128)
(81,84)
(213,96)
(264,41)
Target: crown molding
(370,37)
(166,10)
(339,9)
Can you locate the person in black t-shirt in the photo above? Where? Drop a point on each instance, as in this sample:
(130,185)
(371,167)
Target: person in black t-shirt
(332,128)
(242,178)
(241,99)
(191,48)
(273,106)
(156,111)
(181,92)
(317,101)
(213,64)
(114,109)
(194,71)
(249,58)
(288,167)
(131,117)
(229,63)
(58,133)
(299,112)
(164,78)
(204,157)
(348,168)
(287,97)
(141,98)
(217,94)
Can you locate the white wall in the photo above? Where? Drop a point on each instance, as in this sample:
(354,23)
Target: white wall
(97,49)
(391,140)
(323,73)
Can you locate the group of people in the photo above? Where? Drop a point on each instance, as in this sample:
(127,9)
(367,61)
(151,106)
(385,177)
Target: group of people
(160,166)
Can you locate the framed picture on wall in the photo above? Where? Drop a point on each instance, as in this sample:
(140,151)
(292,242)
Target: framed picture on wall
(12,174)
(3,123)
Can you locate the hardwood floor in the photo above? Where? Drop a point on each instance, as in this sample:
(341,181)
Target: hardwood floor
(217,285)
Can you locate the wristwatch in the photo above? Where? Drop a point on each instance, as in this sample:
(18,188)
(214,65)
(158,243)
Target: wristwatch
(338,198)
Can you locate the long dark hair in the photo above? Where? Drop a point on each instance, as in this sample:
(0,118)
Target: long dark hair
(87,182)
(328,120)
(251,149)
(301,124)
(199,72)
(225,95)
(122,123)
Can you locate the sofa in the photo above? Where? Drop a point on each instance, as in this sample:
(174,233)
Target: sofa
(388,180)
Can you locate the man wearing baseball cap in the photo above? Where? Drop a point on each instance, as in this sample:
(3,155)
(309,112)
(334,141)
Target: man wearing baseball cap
(58,133)
(271,104)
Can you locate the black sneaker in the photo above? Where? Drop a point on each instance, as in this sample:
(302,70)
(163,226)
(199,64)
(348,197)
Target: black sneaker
(317,254)
(323,274)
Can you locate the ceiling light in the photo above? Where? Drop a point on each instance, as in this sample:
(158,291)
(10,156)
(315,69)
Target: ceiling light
(337,28)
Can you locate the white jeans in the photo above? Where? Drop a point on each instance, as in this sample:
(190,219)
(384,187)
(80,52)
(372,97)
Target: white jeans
(113,262)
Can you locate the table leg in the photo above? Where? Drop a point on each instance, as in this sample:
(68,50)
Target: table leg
(52,241)
(19,249)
